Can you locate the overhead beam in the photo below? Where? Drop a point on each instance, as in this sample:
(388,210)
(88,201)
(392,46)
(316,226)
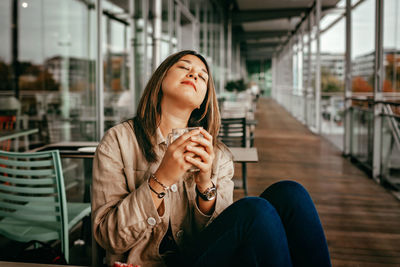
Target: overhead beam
(262,45)
(262,34)
(259,56)
(239,17)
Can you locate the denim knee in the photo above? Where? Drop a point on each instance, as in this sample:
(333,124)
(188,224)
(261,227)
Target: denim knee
(254,208)
(286,190)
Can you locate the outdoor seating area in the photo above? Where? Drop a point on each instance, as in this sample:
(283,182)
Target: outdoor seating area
(304,95)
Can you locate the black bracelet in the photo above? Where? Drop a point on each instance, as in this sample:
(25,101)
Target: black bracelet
(159,195)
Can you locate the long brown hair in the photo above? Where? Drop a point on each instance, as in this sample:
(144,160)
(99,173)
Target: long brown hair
(148,115)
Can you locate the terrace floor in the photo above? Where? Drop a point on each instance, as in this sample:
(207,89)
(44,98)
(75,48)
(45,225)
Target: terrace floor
(361,219)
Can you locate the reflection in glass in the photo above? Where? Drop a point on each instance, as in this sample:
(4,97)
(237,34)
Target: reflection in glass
(6,70)
(363,47)
(56,58)
(332,82)
(391,46)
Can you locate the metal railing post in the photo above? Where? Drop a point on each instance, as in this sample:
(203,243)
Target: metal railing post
(157,9)
(318,69)
(348,85)
(377,138)
(99,74)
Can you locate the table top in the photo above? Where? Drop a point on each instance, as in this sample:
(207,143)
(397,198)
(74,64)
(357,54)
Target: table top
(23,264)
(244,154)
(71,149)
(77,150)
(6,135)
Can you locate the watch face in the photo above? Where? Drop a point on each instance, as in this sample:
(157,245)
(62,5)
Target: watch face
(211,193)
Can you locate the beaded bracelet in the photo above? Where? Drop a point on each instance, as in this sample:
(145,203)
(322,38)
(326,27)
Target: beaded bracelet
(166,188)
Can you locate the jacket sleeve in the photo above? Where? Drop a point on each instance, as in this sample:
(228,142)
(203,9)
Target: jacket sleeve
(222,178)
(120,217)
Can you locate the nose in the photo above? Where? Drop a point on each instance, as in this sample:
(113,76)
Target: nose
(191,75)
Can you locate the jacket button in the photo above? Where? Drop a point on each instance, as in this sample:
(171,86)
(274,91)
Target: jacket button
(174,188)
(151,221)
(179,234)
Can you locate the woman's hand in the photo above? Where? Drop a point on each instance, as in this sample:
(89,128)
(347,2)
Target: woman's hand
(173,165)
(203,159)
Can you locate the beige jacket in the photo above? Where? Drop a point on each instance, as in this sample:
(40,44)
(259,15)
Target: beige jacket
(125,220)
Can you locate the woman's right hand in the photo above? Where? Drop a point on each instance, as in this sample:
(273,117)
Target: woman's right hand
(173,165)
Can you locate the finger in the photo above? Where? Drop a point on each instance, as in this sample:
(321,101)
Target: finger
(182,147)
(186,136)
(206,134)
(199,152)
(190,154)
(203,142)
(197,163)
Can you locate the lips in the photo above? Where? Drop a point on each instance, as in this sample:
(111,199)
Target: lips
(190,83)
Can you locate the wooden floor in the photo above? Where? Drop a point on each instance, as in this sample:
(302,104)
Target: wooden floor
(360,218)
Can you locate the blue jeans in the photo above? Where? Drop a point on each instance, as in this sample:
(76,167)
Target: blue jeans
(279,228)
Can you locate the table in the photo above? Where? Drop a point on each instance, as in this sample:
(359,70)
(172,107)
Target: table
(15,134)
(70,149)
(23,264)
(244,155)
(241,155)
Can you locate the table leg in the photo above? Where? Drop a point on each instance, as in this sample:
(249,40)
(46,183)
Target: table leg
(244,177)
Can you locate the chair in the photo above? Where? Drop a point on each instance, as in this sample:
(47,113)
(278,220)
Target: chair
(33,203)
(233,134)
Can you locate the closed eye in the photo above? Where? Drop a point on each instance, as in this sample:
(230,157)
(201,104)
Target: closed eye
(183,67)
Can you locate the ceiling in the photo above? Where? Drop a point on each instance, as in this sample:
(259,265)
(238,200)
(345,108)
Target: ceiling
(261,26)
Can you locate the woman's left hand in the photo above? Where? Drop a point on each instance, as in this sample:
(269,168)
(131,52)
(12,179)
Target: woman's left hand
(203,159)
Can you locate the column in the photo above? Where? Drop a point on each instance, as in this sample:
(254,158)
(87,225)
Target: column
(348,89)
(377,140)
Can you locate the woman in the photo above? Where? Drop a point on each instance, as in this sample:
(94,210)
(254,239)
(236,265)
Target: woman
(149,210)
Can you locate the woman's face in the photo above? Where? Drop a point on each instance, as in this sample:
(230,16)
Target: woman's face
(186,82)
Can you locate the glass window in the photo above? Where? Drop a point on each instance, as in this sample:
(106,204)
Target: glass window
(295,68)
(6,70)
(391,46)
(57,67)
(332,82)
(363,47)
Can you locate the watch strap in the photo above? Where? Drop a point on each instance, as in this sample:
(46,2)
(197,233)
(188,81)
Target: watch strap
(208,194)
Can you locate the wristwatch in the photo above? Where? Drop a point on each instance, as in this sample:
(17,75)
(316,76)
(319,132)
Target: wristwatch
(209,194)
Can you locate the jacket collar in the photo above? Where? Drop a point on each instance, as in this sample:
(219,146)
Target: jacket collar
(159,137)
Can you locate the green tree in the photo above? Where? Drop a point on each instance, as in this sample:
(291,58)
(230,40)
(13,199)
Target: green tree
(329,82)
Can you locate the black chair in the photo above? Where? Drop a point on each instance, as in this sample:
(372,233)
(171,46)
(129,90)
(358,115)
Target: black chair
(233,133)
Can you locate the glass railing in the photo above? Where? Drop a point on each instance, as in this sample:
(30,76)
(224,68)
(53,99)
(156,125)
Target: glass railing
(310,111)
(362,135)
(361,129)
(390,150)
(332,118)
